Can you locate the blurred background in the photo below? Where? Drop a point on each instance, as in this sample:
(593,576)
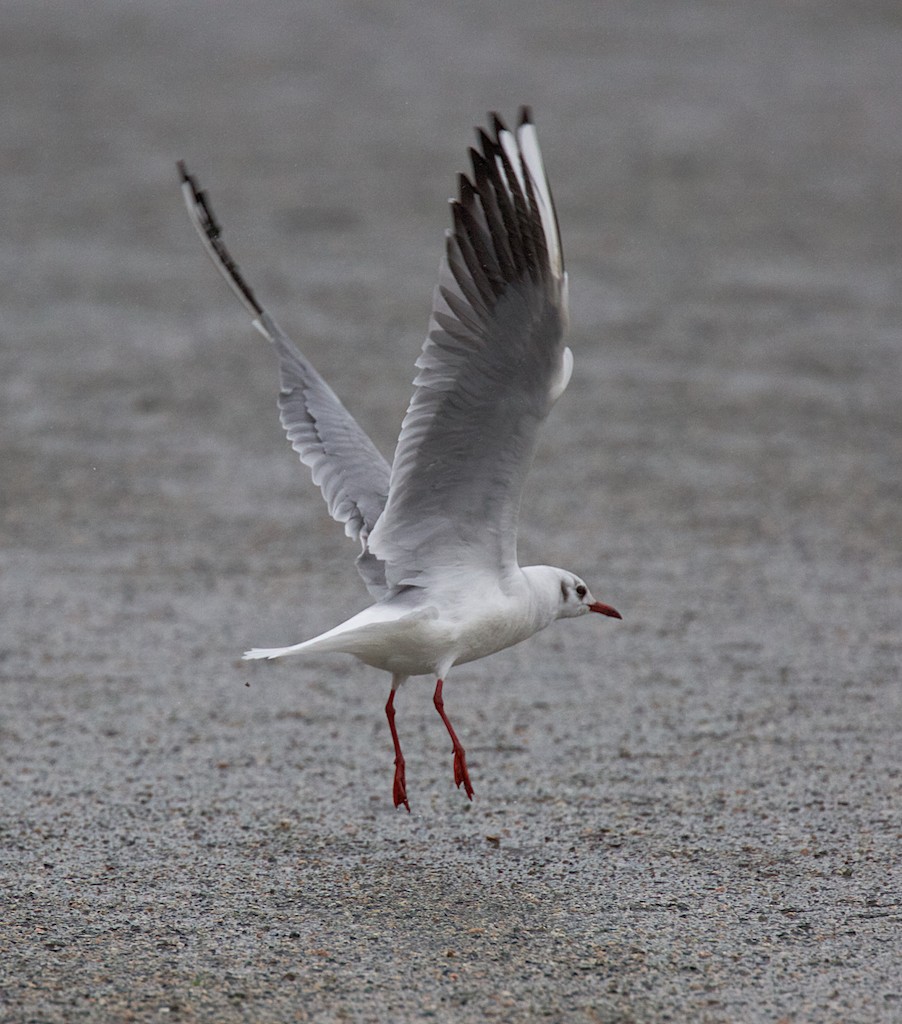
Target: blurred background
(689,815)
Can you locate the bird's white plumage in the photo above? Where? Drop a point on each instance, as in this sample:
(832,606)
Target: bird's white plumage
(559,386)
(509,145)
(438,527)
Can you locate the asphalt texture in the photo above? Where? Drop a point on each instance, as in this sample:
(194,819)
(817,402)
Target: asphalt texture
(689,816)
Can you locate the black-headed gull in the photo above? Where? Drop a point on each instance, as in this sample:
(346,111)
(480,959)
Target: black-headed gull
(438,527)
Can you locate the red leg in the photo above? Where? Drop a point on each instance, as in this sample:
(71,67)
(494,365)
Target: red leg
(399,790)
(461,775)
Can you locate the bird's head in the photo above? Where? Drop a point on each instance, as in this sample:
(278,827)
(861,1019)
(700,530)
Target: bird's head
(576,599)
(563,594)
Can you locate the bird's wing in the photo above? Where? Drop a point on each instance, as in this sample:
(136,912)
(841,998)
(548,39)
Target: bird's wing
(491,368)
(344,463)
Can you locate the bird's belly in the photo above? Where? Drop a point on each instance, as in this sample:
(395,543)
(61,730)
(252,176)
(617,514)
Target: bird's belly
(411,647)
(430,646)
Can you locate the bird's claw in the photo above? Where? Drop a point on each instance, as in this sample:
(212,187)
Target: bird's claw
(461,775)
(399,789)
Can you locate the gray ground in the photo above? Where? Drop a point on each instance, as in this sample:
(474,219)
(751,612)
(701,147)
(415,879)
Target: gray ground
(692,815)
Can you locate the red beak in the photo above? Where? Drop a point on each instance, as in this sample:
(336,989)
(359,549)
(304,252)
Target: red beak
(605,609)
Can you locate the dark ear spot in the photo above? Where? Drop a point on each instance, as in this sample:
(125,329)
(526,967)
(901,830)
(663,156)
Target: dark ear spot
(565,593)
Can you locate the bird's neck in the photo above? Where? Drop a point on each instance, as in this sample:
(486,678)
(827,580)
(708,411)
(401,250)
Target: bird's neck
(543,589)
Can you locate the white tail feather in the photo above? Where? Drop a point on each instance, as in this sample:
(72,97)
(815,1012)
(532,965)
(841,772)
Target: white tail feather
(271,652)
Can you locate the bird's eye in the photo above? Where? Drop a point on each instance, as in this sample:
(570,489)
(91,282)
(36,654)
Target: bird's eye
(581,590)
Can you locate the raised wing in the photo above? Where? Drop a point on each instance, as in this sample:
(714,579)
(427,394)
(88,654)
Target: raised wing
(345,464)
(490,370)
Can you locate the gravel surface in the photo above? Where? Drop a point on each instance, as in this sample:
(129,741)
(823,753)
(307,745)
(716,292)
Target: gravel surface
(689,816)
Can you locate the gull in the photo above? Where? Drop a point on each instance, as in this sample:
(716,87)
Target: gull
(437,527)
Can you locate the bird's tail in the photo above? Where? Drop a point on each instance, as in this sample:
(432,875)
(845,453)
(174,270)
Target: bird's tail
(356,635)
(272,652)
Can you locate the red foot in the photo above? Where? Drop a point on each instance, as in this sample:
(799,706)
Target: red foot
(461,775)
(399,788)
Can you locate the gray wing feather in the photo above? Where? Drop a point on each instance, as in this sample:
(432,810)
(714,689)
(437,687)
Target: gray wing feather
(344,463)
(491,368)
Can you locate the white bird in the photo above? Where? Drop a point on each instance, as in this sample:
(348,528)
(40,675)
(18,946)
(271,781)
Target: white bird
(438,527)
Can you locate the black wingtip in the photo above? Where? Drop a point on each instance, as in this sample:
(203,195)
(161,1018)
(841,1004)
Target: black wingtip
(524,116)
(465,190)
(486,142)
(201,213)
(201,201)
(476,159)
(480,167)
(498,125)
